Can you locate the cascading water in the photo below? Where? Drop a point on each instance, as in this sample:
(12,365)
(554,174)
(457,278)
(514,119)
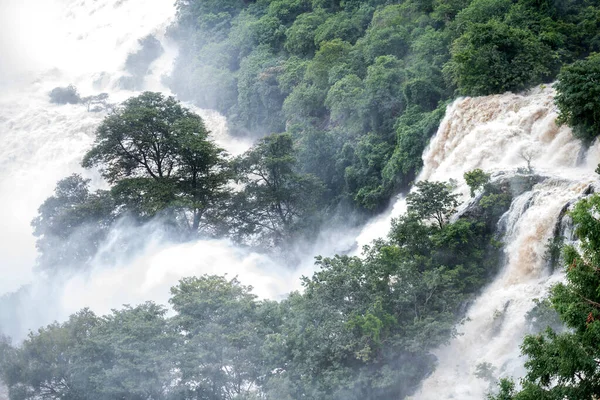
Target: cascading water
(497,134)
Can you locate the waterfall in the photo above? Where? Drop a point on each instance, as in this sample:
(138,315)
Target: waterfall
(497,133)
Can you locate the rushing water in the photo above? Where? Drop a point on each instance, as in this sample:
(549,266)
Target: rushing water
(49,43)
(497,134)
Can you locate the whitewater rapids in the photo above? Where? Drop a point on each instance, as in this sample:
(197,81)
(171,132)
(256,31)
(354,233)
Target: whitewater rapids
(498,134)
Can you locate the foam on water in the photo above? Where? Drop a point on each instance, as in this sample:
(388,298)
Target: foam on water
(497,134)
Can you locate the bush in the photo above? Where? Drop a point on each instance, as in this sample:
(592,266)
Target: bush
(578,97)
(65,95)
(476,179)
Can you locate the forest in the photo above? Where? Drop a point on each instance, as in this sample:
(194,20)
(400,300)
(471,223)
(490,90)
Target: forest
(341,98)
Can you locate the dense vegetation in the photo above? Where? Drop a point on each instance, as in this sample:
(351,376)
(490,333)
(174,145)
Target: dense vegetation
(161,166)
(362,328)
(578,97)
(362,85)
(566,365)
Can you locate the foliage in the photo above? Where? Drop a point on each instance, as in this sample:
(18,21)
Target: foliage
(578,94)
(494,57)
(476,179)
(276,202)
(374,75)
(363,327)
(138,63)
(221,337)
(432,200)
(65,95)
(72,223)
(158,156)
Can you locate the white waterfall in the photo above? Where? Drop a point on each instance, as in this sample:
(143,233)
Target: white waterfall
(497,134)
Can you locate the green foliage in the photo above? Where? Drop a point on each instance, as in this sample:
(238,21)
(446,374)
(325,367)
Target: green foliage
(476,179)
(363,327)
(157,154)
(276,202)
(494,57)
(432,201)
(542,316)
(373,74)
(361,70)
(345,100)
(300,37)
(413,130)
(259,96)
(578,97)
(219,356)
(73,212)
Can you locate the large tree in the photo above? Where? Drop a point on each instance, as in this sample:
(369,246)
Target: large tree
(158,156)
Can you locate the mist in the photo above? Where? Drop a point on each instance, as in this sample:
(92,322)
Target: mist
(68,42)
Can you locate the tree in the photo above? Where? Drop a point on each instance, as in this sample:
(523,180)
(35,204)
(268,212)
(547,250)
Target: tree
(129,354)
(565,365)
(220,354)
(527,156)
(494,57)
(65,95)
(99,102)
(300,37)
(159,150)
(72,223)
(49,364)
(578,97)
(476,179)
(276,201)
(432,200)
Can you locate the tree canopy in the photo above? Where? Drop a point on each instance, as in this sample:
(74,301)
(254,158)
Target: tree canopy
(158,156)
(578,97)
(362,328)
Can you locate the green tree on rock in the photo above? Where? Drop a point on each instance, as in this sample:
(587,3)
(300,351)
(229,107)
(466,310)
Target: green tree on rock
(476,179)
